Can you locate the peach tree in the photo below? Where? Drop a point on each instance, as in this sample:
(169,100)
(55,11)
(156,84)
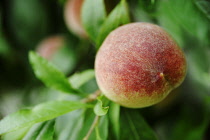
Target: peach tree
(136,65)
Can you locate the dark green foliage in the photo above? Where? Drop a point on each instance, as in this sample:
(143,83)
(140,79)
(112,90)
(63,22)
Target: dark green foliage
(134,126)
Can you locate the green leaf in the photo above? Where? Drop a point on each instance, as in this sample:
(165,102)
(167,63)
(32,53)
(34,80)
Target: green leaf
(70,130)
(88,120)
(41,131)
(99,110)
(84,81)
(89,87)
(47,131)
(114,117)
(143,10)
(16,135)
(93,15)
(204,6)
(117,17)
(39,113)
(78,79)
(34,131)
(173,17)
(48,74)
(136,127)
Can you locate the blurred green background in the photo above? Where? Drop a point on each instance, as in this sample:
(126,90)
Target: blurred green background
(25,23)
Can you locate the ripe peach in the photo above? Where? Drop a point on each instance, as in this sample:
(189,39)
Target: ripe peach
(49,46)
(138,65)
(72,16)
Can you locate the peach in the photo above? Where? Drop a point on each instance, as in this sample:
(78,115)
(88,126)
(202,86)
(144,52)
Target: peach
(49,46)
(138,65)
(72,16)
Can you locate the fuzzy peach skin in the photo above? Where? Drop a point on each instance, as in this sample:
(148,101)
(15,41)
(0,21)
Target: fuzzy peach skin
(72,16)
(138,65)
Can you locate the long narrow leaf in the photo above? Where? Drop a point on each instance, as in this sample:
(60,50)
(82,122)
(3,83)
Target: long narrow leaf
(136,127)
(41,131)
(47,131)
(40,113)
(93,15)
(78,79)
(71,130)
(116,18)
(114,117)
(34,131)
(50,75)
(16,135)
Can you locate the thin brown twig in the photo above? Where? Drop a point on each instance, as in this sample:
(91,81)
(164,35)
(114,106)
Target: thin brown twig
(95,122)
